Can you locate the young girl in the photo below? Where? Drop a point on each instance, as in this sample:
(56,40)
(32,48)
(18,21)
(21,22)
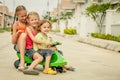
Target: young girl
(18,33)
(43,49)
(33,22)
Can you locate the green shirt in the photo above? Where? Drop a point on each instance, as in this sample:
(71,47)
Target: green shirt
(39,36)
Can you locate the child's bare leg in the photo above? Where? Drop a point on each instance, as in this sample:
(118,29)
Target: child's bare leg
(47,69)
(48,58)
(37,59)
(21,46)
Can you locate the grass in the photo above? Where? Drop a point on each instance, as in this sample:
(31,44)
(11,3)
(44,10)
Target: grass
(8,29)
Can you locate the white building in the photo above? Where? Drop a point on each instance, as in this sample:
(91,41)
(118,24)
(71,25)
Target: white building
(85,25)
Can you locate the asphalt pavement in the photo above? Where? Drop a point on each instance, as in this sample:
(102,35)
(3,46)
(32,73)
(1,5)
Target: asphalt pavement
(91,63)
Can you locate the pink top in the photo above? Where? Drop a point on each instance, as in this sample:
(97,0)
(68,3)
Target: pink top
(29,42)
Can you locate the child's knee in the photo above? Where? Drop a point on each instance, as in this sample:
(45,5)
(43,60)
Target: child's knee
(40,58)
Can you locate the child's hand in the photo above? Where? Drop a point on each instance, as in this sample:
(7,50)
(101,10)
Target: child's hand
(53,48)
(55,44)
(48,43)
(19,31)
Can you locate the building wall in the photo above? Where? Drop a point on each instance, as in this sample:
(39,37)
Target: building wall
(81,21)
(115,30)
(4,10)
(85,25)
(112,23)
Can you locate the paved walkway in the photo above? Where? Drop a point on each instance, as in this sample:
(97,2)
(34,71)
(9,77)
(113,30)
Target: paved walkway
(102,43)
(91,63)
(5,39)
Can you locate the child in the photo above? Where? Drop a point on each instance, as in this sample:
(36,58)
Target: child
(43,49)
(33,22)
(18,33)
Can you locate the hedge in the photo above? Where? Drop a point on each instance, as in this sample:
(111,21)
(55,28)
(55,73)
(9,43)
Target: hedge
(106,36)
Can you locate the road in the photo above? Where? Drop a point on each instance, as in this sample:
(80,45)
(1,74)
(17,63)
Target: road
(91,63)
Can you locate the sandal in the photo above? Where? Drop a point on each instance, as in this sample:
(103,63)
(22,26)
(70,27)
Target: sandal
(49,71)
(71,69)
(31,72)
(38,69)
(64,70)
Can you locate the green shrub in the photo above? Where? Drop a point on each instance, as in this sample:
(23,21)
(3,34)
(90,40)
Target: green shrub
(107,37)
(8,29)
(118,39)
(94,34)
(1,30)
(97,35)
(70,31)
(5,29)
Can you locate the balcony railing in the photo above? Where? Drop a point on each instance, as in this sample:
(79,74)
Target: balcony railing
(79,1)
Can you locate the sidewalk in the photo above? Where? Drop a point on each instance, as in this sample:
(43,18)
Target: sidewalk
(5,39)
(106,44)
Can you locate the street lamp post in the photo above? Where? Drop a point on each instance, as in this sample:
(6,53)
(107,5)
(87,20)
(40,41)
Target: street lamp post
(58,14)
(48,9)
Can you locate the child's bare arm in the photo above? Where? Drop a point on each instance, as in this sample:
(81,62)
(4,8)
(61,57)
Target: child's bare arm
(14,34)
(34,39)
(51,39)
(41,47)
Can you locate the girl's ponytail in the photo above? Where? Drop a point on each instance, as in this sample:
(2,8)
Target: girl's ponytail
(18,9)
(13,23)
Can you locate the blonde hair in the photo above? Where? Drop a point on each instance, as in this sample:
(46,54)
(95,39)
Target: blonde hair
(42,22)
(33,13)
(17,10)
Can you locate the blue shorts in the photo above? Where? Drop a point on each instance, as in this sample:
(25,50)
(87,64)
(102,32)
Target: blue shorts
(45,52)
(30,53)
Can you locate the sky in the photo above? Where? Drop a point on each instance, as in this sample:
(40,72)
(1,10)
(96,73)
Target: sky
(31,5)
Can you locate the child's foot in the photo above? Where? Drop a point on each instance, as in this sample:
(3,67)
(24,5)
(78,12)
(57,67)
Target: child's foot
(49,71)
(30,72)
(21,68)
(64,70)
(70,69)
